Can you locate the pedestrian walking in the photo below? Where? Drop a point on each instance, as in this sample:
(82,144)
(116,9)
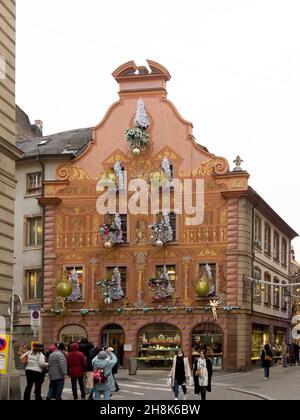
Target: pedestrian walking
(77,366)
(266,358)
(285,353)
(57,372)
(34,370)
(202,373)
(296,352)
(104,381)
(180,374)
(291,354)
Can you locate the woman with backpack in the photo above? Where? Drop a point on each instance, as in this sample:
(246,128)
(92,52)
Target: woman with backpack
(103,378)
(266,358)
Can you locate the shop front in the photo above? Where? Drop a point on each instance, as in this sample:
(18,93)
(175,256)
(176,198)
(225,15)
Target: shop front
(260,337)
(158,343)
(113,336)
(208,336)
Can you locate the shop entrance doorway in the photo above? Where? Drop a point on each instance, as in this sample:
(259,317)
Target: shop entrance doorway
(113,336)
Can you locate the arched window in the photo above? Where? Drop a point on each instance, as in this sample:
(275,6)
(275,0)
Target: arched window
(268,289)
(284,297)
(276,291)
(257,287)
(71,333)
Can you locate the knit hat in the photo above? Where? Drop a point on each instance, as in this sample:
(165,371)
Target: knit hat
(102,355)
(37,347)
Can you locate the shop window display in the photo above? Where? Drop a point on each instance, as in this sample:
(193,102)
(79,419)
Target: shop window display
(158,344)
(210,338)
(260,337)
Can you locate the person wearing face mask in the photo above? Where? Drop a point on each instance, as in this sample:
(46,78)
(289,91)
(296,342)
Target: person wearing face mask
(202,373)
(180,374)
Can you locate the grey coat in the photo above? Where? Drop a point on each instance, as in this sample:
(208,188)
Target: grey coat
(107,365)
(57,365)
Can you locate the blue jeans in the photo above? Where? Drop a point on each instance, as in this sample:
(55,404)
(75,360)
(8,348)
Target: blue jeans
(106,394)
(176,388)
(55,389)
(267,371)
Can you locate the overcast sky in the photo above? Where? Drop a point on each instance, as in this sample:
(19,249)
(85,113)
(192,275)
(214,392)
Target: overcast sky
(235,68)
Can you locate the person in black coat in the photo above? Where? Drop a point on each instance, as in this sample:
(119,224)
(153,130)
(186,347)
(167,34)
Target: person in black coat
(85,347)
(202,373)
(266,358)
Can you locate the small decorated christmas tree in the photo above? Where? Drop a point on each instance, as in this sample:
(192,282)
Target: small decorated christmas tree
(141,117)
(76,292)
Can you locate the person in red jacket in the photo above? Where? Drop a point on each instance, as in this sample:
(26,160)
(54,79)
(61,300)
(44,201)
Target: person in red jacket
(77,366)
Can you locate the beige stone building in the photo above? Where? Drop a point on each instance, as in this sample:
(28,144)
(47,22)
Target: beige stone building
(8,155)
(8,152)
(41,156)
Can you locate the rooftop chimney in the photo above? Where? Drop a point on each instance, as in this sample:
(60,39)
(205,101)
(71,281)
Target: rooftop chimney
(39,124)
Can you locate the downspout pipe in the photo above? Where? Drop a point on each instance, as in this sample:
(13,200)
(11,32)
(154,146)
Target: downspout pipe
(253,254)
(43,222)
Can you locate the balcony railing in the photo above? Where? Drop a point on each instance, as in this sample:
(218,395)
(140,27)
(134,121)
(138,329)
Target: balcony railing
(191,235)
(196,234)
(78,239)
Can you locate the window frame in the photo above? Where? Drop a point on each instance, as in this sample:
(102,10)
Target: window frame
(69,268)
(276,250)
(257,298)
(267,239)
(257,231)
(28,221)
(27,273)
(268,289)
(276,294)
(123,281)
(36,188)
(284,249)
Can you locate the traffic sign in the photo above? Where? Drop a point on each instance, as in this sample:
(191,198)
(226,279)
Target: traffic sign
(35,318)
(17,305)
(4,346)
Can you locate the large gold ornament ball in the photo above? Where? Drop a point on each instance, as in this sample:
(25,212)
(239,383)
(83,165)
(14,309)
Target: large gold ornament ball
(64,288)
(202,288)
(107,244)
(136,151)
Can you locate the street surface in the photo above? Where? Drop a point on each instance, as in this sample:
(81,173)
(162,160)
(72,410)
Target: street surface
(284,383)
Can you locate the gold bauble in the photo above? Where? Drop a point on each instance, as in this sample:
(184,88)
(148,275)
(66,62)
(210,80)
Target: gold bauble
(64,288)
(202,287)
(136,151)
(108,244)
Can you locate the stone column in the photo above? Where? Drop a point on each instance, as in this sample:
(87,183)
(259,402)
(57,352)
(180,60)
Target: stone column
(140,266)
(186,265)
(93,263)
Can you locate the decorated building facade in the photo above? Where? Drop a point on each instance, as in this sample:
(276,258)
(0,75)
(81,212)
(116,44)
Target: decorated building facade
(148,284)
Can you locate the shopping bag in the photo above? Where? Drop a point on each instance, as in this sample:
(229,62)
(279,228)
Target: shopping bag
(89,380)
(169,381)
